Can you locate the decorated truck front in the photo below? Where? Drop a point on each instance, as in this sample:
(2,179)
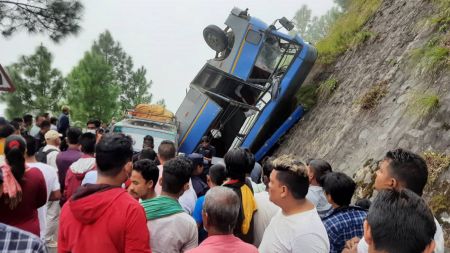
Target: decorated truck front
(245,95)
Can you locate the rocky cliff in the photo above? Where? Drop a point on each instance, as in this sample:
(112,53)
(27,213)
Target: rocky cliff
(392,89)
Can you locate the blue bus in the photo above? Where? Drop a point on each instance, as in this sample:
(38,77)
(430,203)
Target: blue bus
(245,95)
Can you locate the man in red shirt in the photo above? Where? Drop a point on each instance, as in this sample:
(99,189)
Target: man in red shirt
(103,217)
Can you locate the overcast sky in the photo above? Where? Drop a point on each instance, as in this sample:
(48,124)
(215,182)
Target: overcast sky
(164,36)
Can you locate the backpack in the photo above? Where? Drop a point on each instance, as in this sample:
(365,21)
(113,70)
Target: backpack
(41,156)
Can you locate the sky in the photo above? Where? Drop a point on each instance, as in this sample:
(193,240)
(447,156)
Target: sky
(164,36)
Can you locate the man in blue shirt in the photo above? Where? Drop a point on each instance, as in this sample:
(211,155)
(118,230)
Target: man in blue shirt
(344,221)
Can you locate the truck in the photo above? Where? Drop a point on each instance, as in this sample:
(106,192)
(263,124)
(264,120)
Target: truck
(148,119)
(245,95)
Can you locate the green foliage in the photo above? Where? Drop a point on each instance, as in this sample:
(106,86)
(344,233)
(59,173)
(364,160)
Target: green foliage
(58,18)
(327,88)
(162,102)
(422,103)
(92,91)
(133,85)
(307,96)
(313,29)
(361,37)
(38,85)
(433,56)
(437,164)
(342,33)
(442,16)
(373,97)
(302,20)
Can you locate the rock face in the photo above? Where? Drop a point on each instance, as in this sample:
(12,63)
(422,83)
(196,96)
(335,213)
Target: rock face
(350,138)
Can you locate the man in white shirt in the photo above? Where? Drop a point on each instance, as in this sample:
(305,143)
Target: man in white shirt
(167,151)
(297,227)
(53,140)
(51,180)
(266,208)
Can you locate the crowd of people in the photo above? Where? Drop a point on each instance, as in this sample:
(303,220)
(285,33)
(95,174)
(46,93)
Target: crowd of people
(71,191)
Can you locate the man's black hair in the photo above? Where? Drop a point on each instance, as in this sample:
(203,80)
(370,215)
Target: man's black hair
(267,166)
(6,130)
(236,162)
(53,120)
(320,169)
(15,124)
(176,173)
(400,222)
(91,121)
(18,120)
(28,119)
(166,150)
(251,161)
(97,123)
(363,203)
(148,142)
(45,124)
(31,144)
(148,170)
(73,134)
(408,168)
(112,152)
(340,187)
(147,153)
(217,173)
(87,143)
(293,174)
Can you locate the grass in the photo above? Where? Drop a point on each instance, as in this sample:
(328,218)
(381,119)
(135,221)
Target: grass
(437,164)
(422,103)
(442,17)
(373,97)
(361,37)
(435,55)
(307,96)
(439,204)
(327,88)
(346,31)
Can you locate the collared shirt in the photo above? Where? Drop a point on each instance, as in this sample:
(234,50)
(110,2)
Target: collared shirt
(224,244)
(16,240)
(343,224)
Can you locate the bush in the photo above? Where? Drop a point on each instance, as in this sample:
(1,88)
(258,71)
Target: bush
(437,164)
(422,103)
(373,97)
(327,88)
(433,56)
(307,96)
(344,33)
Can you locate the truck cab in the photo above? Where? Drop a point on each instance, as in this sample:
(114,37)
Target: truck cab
(246,93)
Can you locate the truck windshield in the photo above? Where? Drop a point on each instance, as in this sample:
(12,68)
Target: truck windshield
(276,55)
(138,135)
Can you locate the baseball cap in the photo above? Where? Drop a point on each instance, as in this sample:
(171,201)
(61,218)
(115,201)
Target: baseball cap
(197,158)
(52,134)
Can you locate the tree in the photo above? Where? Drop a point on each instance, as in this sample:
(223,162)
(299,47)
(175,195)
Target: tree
(92,90)
(59,18)
(133,85)
(38,85)
(302,20)
(162,102)
(342,3)
(315,28)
